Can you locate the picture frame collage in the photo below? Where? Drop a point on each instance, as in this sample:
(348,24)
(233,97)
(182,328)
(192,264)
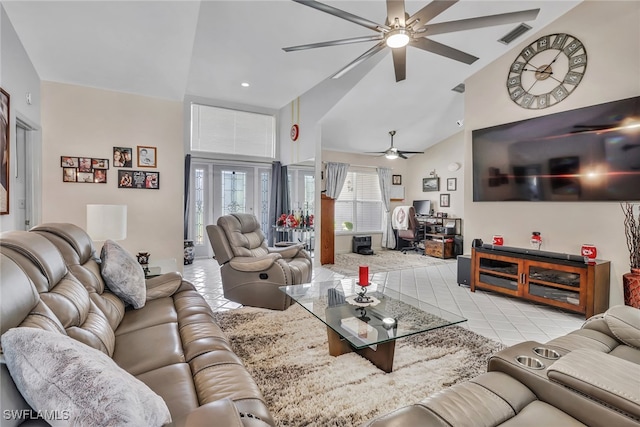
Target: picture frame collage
(94,170)
(88,170)
(146,157)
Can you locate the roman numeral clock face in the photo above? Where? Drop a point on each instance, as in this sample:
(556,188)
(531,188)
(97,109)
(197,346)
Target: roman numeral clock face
(547,71)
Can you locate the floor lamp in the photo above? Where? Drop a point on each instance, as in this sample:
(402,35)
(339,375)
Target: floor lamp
(107,222)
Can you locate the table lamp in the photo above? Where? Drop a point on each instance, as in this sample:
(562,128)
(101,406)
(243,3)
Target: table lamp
(107,222)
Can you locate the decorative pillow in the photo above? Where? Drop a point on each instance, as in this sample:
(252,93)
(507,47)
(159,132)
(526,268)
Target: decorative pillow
(624,323)
(123,274)
(83,385)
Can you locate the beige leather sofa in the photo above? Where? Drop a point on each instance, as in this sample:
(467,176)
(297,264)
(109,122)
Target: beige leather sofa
(251,271)
(50,280)
(588,377)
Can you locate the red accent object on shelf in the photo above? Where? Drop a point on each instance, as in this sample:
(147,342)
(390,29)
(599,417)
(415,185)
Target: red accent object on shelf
(498,240)
(589,252)
(364,276)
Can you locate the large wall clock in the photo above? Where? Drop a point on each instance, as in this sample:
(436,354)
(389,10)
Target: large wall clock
(547,71)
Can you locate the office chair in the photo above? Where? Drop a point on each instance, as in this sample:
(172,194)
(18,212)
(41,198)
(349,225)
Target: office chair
(408,229)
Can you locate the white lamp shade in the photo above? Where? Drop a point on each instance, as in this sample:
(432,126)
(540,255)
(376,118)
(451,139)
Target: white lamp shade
(107,222)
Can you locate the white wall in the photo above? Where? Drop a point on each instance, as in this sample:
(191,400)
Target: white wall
(438,157)
(81,121)
(611,33)
(18,77)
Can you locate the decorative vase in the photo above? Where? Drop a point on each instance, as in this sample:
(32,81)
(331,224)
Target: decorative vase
(631,285)
(189,252)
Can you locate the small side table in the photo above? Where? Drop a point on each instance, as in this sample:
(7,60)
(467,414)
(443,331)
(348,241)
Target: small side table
(158,267)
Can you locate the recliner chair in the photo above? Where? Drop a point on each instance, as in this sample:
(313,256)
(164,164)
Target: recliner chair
(251,271)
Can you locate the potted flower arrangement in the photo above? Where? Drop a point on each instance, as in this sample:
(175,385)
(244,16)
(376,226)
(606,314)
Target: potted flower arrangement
(631,280)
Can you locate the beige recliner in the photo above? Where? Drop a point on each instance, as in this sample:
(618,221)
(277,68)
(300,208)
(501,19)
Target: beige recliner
(251,271)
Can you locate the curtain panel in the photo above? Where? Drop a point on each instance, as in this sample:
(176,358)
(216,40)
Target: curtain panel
(336,175)
(384,177)
(279,202)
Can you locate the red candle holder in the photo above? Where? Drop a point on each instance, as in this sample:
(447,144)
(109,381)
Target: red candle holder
(364,276)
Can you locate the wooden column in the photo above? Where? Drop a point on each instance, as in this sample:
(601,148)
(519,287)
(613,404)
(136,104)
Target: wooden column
(327,233)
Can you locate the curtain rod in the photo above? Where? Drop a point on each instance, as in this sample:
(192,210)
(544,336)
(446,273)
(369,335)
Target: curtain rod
(360,166)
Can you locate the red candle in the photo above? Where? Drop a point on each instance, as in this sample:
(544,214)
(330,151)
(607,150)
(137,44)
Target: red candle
(364,275)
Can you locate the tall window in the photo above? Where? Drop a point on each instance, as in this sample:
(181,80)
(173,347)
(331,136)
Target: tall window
(221,130)
(233,192)
(358,208)
(302,189)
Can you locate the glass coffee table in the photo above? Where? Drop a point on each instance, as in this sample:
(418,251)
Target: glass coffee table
(371,330)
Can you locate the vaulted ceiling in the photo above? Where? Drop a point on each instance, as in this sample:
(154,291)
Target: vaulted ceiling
(169,49)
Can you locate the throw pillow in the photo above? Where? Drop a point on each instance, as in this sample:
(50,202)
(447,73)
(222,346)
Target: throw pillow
(624,323)
(54,372)
(123,274)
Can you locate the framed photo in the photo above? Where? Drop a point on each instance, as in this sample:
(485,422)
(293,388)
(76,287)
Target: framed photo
(147,157)
(4,152)
(85,176)
(68,162)
(100,163)
(444,200)
(430,184)
(396,179)
(84,164)
(452,184)
(100,176)
(138,179)
(122,157)
(69,175)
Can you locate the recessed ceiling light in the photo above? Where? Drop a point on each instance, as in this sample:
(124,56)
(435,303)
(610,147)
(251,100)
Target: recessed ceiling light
(245,84)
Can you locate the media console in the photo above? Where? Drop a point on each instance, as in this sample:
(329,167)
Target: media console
(557,279)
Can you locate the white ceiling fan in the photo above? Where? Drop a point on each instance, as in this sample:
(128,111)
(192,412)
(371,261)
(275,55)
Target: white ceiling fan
(401,30)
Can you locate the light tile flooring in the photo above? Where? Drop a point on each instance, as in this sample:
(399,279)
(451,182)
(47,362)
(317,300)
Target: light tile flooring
(494,316)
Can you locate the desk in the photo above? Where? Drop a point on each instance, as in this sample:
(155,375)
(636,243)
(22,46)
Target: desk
(439,235)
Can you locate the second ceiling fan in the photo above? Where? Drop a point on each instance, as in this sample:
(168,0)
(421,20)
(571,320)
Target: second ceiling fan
(392,152)
(401,30)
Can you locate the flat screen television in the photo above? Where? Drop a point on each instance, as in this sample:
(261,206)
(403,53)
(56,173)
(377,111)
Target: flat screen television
(422,207)
(587,154)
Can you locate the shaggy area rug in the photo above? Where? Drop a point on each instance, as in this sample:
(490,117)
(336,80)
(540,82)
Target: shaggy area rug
(287,355)
(382,260)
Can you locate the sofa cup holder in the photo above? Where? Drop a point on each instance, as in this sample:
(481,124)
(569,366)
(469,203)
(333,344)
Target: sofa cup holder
(546,353)
(530,362)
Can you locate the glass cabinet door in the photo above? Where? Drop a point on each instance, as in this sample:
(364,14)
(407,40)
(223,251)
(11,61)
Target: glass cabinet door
(500,273)
(554,282)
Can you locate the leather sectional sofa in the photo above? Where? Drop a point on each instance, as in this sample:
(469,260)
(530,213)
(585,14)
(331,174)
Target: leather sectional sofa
(588,377)
(51,280)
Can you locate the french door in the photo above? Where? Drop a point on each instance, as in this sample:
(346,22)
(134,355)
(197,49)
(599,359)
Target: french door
(220,189)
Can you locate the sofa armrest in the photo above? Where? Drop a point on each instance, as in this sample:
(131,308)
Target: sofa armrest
(219,413)
(162,286)
(254,264)
(616,385)
(286,251)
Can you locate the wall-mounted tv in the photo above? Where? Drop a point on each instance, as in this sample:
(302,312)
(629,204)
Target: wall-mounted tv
(588,154)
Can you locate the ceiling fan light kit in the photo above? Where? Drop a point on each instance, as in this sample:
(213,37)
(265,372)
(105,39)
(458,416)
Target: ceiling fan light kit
(402,30)
(398,38)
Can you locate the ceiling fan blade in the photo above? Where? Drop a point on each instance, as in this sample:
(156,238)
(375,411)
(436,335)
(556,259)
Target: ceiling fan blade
(482,21)
(443,50)
(402,156)
(334,43)
(427,13)
(400,65)
(368,54)
(411,152)
(375,152)
(342,14)
(395,9)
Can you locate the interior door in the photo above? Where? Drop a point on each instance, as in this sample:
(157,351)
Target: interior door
(221,189)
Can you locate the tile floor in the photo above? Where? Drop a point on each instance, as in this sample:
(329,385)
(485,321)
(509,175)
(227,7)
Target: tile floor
(494,316)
